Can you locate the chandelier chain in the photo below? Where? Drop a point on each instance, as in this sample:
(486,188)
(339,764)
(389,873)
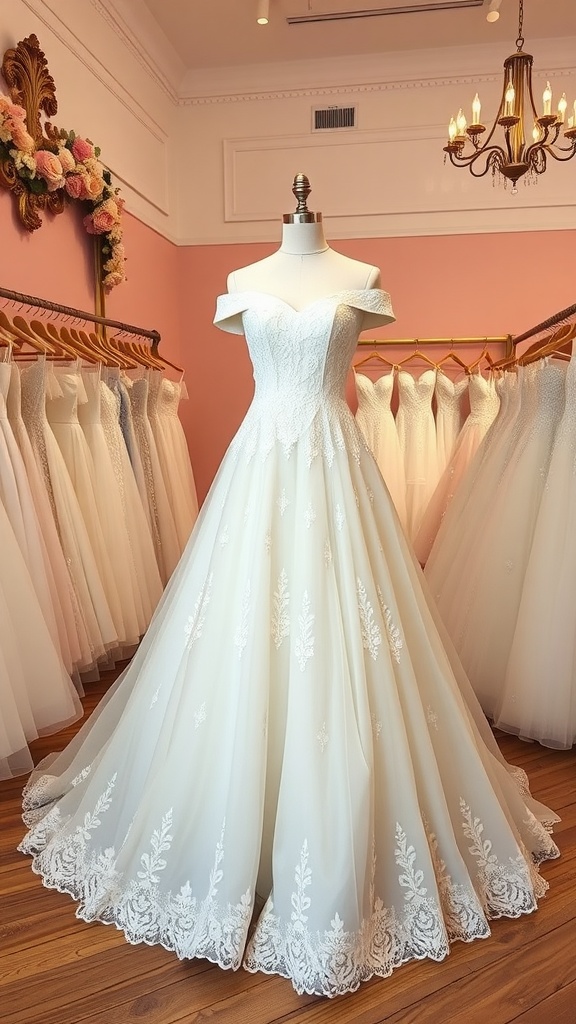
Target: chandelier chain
(520,39)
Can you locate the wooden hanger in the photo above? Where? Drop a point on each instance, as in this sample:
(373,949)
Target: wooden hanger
(485,354)
(373,355)
(553,346)
(48,334)
(417,354)
(25,336)
(455,359)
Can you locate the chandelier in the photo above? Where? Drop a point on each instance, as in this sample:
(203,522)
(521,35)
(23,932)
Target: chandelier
(529,137)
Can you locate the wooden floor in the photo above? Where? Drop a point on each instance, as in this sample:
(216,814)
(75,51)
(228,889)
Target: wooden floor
(55,969)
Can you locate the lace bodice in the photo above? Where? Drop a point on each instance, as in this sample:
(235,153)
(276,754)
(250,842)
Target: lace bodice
(415,393)
(64,392)
(484,400)
(300,358)
(374,397)
(449,396)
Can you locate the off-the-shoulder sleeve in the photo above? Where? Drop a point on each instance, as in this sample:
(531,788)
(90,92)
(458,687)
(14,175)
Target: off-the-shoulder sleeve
(376,305)
(229,309)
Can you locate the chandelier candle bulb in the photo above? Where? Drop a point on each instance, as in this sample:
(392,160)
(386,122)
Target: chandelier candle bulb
(461,122)
(476,108)
(509,98)
(452,130)
(547,100)
(562,104)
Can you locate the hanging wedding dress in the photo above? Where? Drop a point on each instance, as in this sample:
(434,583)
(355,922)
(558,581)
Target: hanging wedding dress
(36,694)
(164,530)
(136,522)
(79,555)
(448,395)
(537,701)
(482,627)
(71,627)
(163,400)
(376,421)
(65,392)
(292,724)
(417,433)
(484,403)
(447,566)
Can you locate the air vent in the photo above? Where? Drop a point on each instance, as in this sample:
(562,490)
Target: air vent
(328,119)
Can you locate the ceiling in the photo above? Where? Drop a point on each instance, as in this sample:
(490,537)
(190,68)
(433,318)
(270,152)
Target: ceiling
(224,33)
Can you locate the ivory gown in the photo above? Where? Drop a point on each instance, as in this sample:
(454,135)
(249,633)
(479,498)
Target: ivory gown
(293,725)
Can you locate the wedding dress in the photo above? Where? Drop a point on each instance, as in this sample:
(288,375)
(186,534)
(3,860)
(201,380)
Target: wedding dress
(295,722)
(484,403)
(538,702)
(448,565)
(417,434)
(74,640)
(487,603)
(448,416)
(163,401)
(376,421)
(94,609)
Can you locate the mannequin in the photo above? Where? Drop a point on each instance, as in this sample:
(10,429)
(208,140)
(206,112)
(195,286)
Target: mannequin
(304,268)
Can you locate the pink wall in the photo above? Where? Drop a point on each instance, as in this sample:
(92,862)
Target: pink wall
(441,286)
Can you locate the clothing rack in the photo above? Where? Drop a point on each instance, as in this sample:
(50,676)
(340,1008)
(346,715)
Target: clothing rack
(564,316)
(505,339)
(81,314)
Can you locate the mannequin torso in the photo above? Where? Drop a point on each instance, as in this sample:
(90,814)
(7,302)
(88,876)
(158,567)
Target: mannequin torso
(304,269)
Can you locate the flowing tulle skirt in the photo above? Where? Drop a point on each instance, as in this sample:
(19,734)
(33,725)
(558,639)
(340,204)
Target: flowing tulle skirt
(292,728)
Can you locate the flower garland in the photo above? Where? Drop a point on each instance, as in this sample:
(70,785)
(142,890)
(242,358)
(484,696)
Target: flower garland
(70,163)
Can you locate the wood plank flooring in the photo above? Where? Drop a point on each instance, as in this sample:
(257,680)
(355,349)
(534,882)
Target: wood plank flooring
(55,969)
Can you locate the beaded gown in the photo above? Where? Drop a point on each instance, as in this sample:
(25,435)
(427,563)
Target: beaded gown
(293,775)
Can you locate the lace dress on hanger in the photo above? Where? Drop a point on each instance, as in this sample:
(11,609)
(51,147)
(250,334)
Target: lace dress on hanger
(16,496)
(484,403)
(173,453)
(164,531)
(137,524)
(455,543)
(376,421)
(292,724)
(36,694)
(538,699)
(485,625)
(448,395)
(417,434)
(74,644)
(72,531)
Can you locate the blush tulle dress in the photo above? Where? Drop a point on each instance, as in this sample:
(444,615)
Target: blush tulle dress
(293,774)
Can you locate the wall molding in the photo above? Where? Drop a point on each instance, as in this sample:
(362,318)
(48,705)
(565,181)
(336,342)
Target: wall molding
(131,35)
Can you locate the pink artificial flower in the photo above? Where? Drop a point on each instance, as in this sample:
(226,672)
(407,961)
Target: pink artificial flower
(14,111)
(49,167)
(101,220)
(94,185)
(82,150)
(20,137)
(67,160)
(75,186)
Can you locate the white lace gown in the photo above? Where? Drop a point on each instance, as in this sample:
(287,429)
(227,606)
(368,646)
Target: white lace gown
(376,421)
(487,602)
(448,395)
(538,698)
(163,400)
(417,433)
(484,403)
(454,547)
(36,694)
(293,724)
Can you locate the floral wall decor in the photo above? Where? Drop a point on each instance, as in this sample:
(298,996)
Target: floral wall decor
(46,167)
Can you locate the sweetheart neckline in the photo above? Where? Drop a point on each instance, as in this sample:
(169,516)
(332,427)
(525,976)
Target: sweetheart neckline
(308,305)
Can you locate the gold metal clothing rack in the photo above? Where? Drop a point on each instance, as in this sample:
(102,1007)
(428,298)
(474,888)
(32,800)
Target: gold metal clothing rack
(505,339)
(80,314)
